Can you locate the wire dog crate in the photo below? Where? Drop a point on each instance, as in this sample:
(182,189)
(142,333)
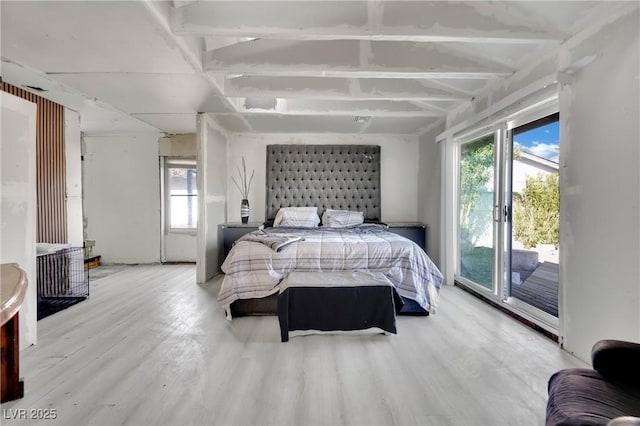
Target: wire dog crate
(62,280)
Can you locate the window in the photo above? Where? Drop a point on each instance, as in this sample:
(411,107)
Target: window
(181,194)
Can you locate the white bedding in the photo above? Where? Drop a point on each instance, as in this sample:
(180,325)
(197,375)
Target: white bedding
(254,270)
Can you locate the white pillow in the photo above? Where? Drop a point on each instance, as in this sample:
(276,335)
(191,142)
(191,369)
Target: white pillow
(341,218)
(300,217)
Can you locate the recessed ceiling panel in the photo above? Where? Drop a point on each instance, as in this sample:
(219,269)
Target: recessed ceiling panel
(302,124)
(97,121)
(96,117)
(465,19)
(358,107)
(88,36)
(469,86)
(170,123)
(234,123)
(356,20)
(264,17)
(400,125)
(150,93)
(290,86)
(567,16)
(337,124)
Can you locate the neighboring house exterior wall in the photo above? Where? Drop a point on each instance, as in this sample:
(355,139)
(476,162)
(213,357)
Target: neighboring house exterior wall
(527,166)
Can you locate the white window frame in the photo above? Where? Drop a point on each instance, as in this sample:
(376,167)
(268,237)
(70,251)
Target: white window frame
(167,163)
(502,124)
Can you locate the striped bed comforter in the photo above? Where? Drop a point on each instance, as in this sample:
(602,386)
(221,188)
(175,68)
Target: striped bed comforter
(254,270)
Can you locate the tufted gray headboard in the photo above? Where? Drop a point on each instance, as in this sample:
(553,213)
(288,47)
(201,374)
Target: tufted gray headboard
(345,177)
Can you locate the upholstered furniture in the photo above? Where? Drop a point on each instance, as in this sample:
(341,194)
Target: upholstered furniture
(337,301)
(343,177)
(589,397)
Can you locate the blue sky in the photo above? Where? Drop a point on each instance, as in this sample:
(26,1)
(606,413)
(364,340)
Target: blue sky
(542,141)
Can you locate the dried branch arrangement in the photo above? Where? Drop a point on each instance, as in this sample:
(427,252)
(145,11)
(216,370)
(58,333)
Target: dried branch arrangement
(242,173)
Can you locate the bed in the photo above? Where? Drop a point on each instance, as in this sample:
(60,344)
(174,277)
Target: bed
(327,178)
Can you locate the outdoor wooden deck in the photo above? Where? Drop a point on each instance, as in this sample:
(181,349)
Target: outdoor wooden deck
(540,289)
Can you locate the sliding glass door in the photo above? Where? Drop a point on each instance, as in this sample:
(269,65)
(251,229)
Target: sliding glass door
(476,198)
(535,220)
(508,216)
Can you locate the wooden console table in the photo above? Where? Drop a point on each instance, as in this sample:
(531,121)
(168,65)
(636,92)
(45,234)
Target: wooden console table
(13,286)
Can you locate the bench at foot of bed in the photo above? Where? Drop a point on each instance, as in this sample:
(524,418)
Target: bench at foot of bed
(337,301)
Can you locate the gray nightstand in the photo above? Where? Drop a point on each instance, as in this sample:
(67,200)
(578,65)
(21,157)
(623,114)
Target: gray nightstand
(415,231)
(233,231)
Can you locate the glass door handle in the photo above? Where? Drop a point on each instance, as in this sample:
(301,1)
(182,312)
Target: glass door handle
(497,211)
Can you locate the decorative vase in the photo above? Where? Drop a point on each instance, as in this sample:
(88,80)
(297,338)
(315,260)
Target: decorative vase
(244,210)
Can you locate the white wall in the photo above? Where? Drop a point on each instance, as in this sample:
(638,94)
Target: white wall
(73,164)
(599,98)
(122,197)
(429,188)
(399,170)
(18,202)
(183,145)
(600,191)
(211,142)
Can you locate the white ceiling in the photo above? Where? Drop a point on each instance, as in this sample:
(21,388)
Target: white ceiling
(277,66)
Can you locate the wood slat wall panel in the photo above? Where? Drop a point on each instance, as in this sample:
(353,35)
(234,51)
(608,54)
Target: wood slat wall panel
(50,166)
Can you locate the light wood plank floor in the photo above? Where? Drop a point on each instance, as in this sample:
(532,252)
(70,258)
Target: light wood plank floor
(150,346)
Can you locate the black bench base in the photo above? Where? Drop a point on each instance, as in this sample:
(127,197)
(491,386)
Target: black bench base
(338,308)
